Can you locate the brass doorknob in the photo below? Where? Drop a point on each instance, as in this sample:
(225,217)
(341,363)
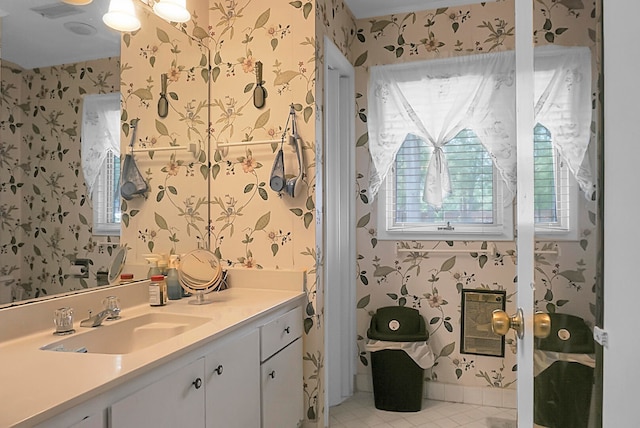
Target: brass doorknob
(501,323)
(541,325)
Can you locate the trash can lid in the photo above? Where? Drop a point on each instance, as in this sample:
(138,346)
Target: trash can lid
(569,334)
(397,323)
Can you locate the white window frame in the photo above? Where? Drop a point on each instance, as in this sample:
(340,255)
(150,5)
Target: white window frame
(100,143)
(103,198)
(501,230)
(566,228)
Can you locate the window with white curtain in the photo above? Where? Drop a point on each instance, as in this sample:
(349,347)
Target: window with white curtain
(473,210)
(443,147)
(101,159)
(555,191)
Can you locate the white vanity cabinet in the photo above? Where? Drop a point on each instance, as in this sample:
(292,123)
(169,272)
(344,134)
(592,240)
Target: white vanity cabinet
(176,400)
(281,371)
(219,390)
(238,374)
(93,421)
(232,377)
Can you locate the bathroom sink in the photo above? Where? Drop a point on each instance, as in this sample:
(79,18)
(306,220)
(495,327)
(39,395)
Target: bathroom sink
(127,335)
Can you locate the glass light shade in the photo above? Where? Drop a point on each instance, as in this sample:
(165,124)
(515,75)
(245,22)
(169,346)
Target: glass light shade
(77,2)
(172,10)
(121,16)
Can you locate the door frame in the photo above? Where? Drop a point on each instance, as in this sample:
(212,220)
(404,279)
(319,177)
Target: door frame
(621,60)
(525,206)
(339,228)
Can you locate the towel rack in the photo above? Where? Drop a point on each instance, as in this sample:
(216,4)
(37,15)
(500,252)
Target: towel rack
(249,143)
(493,250)
(159,149)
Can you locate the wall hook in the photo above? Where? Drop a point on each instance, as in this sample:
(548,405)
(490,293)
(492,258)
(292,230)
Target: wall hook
(259,93)
(163,102)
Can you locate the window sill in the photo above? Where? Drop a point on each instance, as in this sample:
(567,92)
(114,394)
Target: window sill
(386,235)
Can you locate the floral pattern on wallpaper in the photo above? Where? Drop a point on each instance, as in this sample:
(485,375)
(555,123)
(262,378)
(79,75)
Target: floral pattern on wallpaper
(432,282)
(46,216)
(251,225)
(172,218)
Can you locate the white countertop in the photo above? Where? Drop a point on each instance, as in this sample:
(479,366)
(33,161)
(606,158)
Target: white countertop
(36,385)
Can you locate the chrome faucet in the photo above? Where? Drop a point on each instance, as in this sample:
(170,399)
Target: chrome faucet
(96,320)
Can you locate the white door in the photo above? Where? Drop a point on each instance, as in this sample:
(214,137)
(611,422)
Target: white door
(622,176)
(340,262)
(232,376)
(525,207)
(281,386)
(621,378)
(176,400)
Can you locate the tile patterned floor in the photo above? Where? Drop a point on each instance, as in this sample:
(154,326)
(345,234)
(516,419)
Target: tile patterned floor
(360,412)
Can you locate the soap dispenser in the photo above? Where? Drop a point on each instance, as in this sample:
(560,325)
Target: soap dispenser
(173,284)
(152,259)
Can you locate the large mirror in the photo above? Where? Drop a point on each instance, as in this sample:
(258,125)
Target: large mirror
(55,56)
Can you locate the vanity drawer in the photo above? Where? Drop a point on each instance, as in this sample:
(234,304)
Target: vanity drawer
(278,333)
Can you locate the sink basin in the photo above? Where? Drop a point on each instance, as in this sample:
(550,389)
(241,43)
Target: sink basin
(127,335)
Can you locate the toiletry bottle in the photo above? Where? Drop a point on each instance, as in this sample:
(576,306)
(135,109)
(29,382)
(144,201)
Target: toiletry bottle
(153,267)
(174,289)
(126,278)
(162,266)
(157,291)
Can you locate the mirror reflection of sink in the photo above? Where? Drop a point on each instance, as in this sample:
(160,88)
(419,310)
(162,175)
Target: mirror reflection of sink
(127,335)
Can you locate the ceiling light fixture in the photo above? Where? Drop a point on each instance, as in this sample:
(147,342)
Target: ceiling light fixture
(122,16)
(80,28)
(77,2)
(172,10)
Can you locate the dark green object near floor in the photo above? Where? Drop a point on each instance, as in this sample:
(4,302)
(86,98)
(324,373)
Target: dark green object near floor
(397,380)
(562,391)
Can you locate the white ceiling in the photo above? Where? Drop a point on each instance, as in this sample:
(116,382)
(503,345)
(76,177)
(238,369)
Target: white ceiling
(370,8)
(32,40)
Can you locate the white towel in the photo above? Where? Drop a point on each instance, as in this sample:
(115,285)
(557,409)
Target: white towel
(420,352)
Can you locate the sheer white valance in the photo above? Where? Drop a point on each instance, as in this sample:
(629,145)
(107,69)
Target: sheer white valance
(436,99)
(100,133)
(562,89)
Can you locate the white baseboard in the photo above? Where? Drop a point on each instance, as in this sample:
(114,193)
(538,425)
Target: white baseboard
(485,396)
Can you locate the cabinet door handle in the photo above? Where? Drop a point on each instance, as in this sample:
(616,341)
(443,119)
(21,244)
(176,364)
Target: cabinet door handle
(287,330)
(197,383)
(219,369)
(272,375)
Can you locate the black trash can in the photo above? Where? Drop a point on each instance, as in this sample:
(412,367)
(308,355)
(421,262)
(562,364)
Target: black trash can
(562,389)
(397,379)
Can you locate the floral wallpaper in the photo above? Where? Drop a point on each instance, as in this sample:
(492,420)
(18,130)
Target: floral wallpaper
(45,214)
(172,218)
(432,282)
(251,225)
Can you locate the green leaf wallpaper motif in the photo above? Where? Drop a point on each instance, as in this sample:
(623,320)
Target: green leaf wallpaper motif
(173,217)
(251,225)
(432,282)
(45,213)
